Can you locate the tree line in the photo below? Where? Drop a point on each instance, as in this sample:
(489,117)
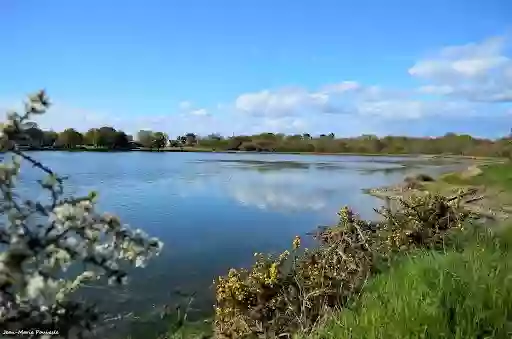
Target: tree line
(110,138)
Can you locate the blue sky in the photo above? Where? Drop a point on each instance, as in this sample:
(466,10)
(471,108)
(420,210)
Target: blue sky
(350,67)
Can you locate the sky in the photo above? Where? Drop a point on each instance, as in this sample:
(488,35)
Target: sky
(351,67)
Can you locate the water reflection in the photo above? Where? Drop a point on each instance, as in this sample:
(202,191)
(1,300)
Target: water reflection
(285,192)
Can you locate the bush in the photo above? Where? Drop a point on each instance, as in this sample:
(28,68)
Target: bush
(289,293)
(293,292)
(421,221)
(41,239)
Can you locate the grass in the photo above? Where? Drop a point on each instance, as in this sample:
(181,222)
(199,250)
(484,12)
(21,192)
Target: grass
(495,175)
(457,295)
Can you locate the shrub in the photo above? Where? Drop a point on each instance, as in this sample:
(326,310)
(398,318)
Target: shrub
(421,221)
(278,296)
(41,239)
(293,292)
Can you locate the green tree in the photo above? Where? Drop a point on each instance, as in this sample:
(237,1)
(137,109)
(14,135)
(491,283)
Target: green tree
(214,136)
(121,140)
(107,137)
(191,139)
(160,140)
(145,138)
(49,138)
(92,137)
(35,135)
(69,138)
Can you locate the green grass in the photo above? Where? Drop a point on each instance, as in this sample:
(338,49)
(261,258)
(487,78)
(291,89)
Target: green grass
(495,175)
(457,295)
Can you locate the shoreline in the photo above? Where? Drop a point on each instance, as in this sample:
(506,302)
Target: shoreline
(477,197)
(205,150)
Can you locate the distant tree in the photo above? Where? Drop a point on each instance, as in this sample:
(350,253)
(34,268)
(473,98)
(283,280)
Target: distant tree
(294,137)
(49,138)
(182,140)
(121,140)
(191,139)
(107,137)
(214,136)
(265,136)
(69,138)
(92,137)
(35,136)
(145,138)
(160,140)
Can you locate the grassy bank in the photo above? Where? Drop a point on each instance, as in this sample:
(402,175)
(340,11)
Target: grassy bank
(453,294)
(498,176)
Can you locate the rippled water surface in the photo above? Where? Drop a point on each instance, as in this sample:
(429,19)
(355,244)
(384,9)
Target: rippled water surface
(213,211)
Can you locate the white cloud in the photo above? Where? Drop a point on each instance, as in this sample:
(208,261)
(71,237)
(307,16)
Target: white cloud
(281,103)
(187,108)
(199,112)
(277,191)
(436,90)
(346,98)
(185,105)
(474,72)
(344,86)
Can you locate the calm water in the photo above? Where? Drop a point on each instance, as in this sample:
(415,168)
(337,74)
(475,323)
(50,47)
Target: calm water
(213,211)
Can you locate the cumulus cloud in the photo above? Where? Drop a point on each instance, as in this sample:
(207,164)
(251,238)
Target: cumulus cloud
(199,112)
(475,72)
(342,87)
(282,102)
(188,108)
(345,98)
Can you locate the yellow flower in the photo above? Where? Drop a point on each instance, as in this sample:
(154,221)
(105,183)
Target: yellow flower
(296,242)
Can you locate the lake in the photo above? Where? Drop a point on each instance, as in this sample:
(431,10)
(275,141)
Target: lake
(214,210)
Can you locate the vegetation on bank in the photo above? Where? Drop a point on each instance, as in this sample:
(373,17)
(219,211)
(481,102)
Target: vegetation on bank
(497,175)
(107,138)
(451,294)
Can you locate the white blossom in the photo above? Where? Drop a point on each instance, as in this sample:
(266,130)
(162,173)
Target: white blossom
(74,232)
(140,262)
(35,285)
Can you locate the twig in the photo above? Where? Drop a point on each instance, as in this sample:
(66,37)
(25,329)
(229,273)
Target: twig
(37,164)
